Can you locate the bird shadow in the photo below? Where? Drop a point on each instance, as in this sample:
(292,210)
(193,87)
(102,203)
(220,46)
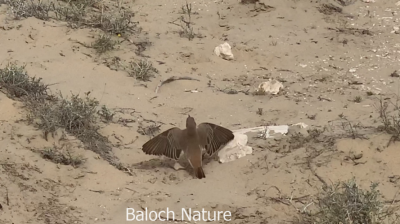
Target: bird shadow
(153,163)
(169,163)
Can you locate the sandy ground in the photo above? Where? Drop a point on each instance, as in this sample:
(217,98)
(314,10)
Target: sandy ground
(324,62)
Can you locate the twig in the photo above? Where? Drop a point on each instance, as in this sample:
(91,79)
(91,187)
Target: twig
(394,200)
(97,191)
(7,197)
(174,78)
(310,166)
(127,170)
(186,24)
(304,209)
(81,43)
(289,201)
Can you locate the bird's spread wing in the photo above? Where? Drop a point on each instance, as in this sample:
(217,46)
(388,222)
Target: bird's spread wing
(213,137)
(168,143)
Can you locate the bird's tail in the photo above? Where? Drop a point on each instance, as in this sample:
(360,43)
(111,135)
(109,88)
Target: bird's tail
(199,173)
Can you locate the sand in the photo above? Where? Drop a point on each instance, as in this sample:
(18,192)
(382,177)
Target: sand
(324,62)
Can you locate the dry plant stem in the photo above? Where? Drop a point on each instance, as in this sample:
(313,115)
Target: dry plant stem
(186,26)
(174,78)
(7,196)
(312,169)
(102,12)
(288,201)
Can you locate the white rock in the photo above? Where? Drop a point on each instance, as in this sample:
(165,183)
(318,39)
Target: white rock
(395,30)
(224,51)
(238,148)
(178,166)
(270,131)
(235,149)
(303,65)
(301,125)
(271,86)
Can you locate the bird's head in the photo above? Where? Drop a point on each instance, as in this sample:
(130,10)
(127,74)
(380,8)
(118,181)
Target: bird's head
(190,123)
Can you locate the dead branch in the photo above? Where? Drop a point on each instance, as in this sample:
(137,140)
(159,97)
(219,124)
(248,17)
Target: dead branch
(311,167)
(174,78)
(7,196)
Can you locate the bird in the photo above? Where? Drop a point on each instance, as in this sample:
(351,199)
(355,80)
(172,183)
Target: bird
(194,140)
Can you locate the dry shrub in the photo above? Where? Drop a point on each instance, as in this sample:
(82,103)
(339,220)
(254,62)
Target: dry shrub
(78,13)
(29,8)
(143,70)
(346,203)
(61,156)
(389,115)
(18,84)
(77,115)
(103,44)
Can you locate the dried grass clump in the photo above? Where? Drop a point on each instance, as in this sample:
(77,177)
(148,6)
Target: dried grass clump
(29,8)
(389,115)
(143,70)
(78,116)
(15,80)
(60,156)
(78,13)
(346,203)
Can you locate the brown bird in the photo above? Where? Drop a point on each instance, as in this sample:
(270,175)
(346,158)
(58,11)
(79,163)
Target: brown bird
(194,140)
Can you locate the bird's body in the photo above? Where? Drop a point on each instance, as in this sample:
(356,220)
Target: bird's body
(193,141)
(194,156)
